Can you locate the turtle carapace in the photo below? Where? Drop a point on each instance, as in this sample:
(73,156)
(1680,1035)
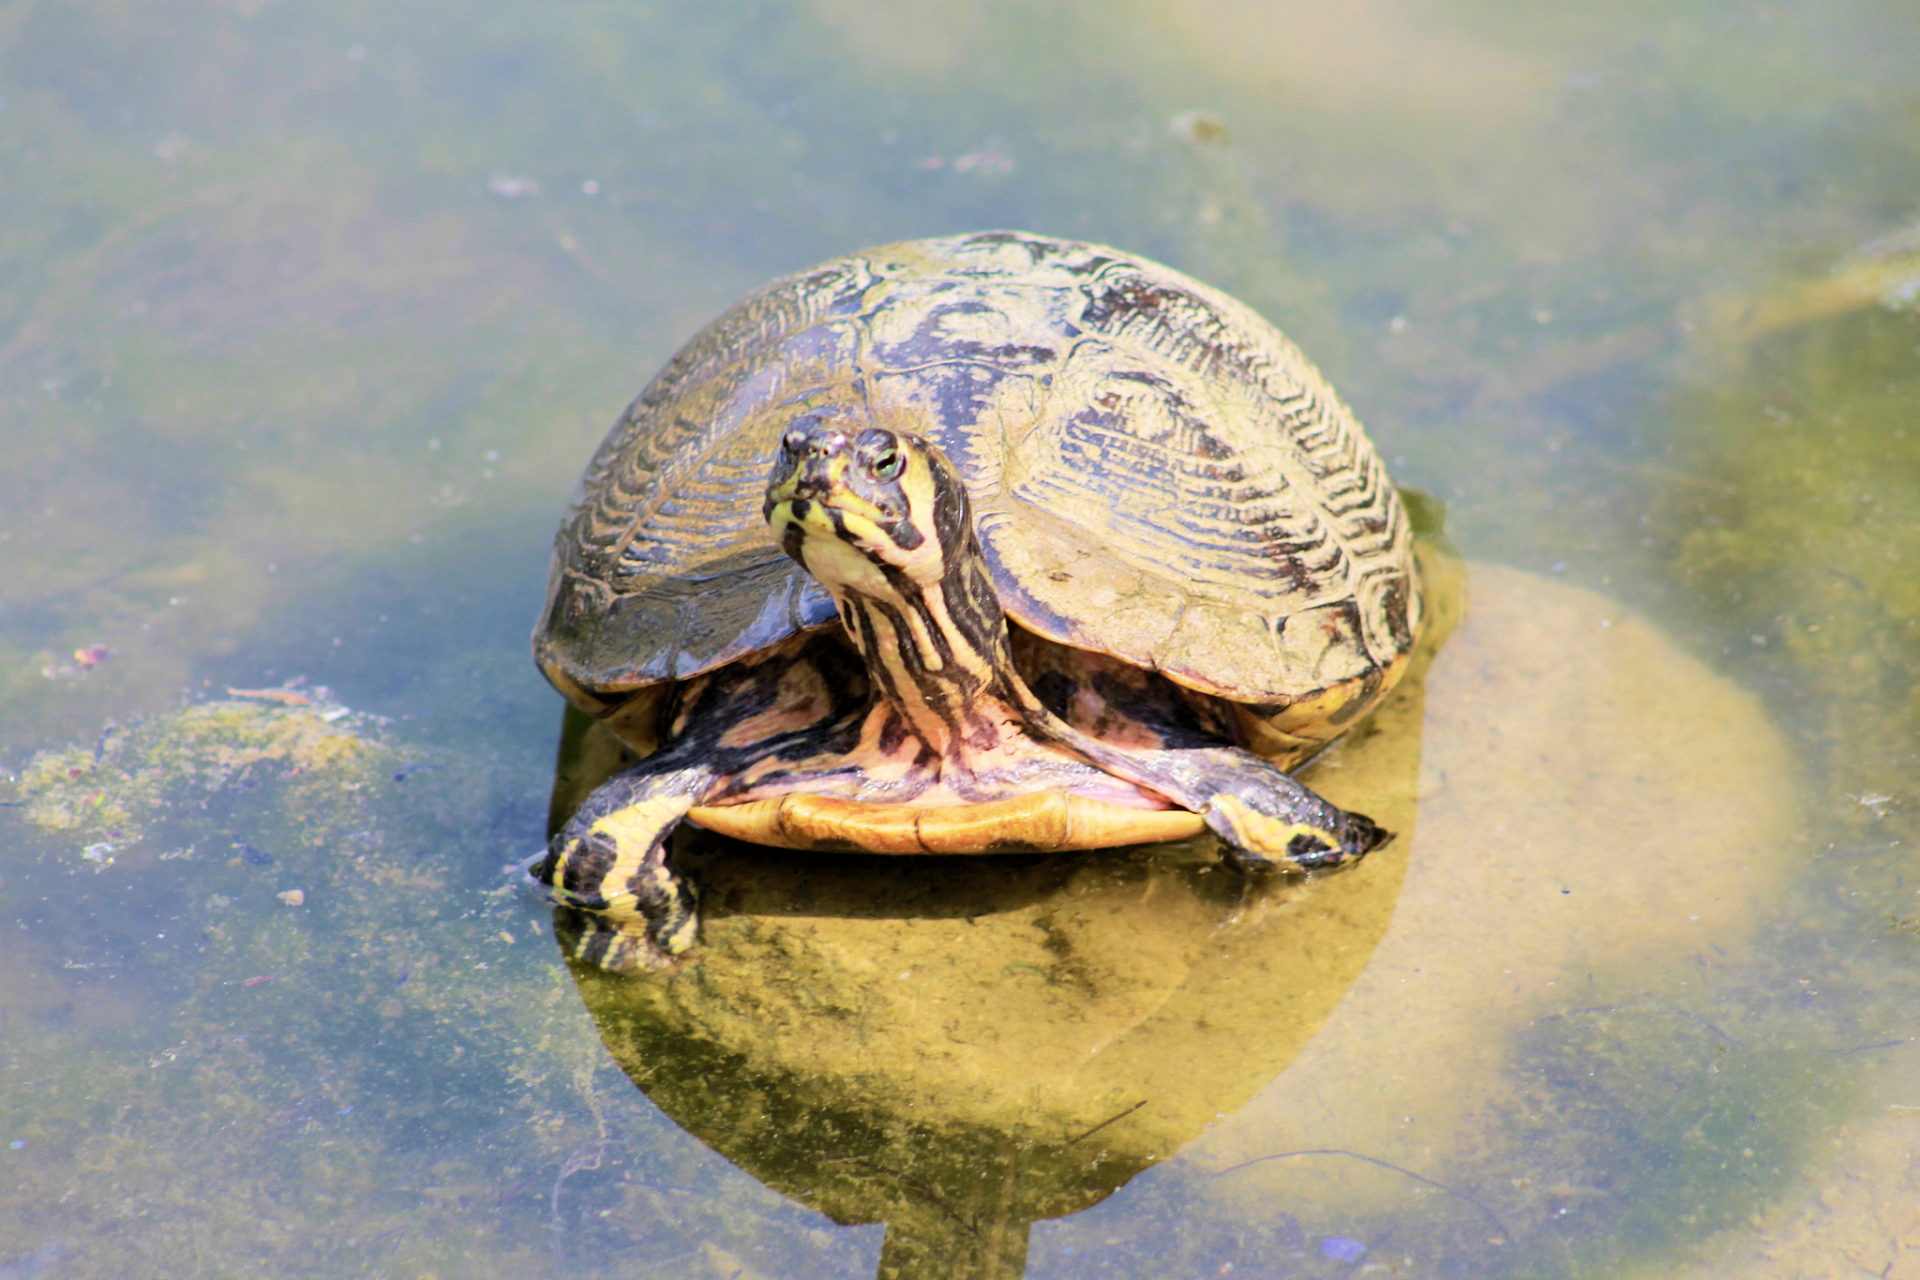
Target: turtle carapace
(972,545)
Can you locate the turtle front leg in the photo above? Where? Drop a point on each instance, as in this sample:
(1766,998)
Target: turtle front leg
(610,861)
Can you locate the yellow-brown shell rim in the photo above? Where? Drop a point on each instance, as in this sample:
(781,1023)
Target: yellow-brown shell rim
(1038,823)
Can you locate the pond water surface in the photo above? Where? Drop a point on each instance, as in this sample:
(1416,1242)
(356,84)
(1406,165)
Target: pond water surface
(310,314)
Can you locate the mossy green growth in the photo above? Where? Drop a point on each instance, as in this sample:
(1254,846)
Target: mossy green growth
(117,789)
(1798,532)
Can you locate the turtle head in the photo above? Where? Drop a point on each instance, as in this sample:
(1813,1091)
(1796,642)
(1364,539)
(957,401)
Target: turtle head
(850,502)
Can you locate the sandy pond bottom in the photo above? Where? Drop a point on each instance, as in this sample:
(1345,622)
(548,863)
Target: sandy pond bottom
(1548,1031)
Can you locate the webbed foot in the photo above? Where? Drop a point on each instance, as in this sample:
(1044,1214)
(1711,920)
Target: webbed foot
(629,909)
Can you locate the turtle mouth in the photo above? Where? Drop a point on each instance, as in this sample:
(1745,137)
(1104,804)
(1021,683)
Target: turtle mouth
(827,481)
(816,497)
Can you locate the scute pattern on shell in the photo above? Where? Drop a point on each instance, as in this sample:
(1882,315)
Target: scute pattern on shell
(1156,473)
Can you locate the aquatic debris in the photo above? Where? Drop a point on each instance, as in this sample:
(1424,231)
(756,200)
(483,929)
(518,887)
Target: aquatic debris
(83,660)
(286,697)
(508,187)
(320,698)
(293,897)
(983,162)
(253,856)
(1898,255)
(1198,128)
(265,977)
(100,852)
(1341,1249)
(1884,272)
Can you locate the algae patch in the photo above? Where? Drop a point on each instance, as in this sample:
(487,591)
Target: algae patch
(1804,554)
(115,791)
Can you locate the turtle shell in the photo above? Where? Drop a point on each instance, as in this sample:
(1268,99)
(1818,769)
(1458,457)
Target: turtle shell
(1156,474)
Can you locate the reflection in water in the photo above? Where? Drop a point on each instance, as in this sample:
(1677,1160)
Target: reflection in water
(960,1046)
(957,1047)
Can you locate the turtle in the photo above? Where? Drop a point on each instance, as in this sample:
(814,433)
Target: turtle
(989,543)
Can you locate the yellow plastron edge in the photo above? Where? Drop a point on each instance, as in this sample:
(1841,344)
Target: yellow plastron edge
(1037,823)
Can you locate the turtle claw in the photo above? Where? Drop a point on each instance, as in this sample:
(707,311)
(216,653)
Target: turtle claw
(1364,835)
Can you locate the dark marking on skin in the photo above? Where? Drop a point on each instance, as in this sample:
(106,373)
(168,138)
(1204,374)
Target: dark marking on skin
(792,537)
(860,626)
(904,534)
(951,519)
(907,647)
(985,735)
(1055,689)
(1304,846)
(893,732)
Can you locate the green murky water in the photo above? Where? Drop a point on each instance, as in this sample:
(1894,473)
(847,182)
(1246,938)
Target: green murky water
(309,316)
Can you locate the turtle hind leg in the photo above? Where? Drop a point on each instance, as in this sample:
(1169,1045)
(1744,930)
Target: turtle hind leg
(1309,840)
(1139,727)
(1266,819)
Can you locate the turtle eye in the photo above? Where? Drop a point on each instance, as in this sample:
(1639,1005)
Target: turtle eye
(886,466)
